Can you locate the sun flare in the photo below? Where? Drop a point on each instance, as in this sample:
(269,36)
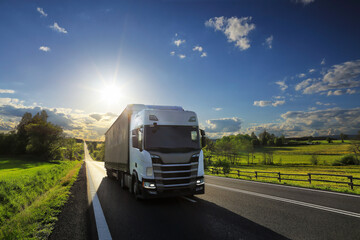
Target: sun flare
(111,94)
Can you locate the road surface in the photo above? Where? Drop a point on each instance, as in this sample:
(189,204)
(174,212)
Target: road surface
(230,209)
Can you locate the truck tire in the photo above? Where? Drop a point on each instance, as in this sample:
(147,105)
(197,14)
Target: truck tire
(122,181)
(135,188)
(109,173)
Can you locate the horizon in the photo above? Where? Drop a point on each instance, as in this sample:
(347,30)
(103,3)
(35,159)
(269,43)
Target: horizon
(291,67)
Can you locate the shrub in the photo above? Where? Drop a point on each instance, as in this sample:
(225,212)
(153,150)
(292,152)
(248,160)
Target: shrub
(346,160)
(314,160)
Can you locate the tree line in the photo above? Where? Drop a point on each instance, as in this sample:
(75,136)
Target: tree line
(35,135)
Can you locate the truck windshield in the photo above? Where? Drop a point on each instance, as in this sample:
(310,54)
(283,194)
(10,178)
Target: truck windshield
(171,138)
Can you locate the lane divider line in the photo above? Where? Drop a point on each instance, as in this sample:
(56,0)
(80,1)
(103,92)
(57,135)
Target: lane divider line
(280,185)
(101,225)
(310,205)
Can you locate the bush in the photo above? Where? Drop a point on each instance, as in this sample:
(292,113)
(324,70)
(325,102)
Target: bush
(225,165)
(314,160)
(346,160)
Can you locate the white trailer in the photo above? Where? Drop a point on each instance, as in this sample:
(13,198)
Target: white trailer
(156,151)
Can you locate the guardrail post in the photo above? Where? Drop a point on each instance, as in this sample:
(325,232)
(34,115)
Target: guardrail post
(217,171)
(279,176)
(351,182)
(309,174)
(256,174)
(238,172)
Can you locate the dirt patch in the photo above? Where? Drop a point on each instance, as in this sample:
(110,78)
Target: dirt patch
(73,221)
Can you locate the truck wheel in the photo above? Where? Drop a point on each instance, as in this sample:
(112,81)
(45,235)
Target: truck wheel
(109,174)
(135,188)
(122,180)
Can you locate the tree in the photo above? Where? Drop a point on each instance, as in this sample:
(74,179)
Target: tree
(264,137)
(329,140)
(343,137)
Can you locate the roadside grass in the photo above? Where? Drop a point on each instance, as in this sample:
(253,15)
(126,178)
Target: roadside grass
(31,195)
(299,169)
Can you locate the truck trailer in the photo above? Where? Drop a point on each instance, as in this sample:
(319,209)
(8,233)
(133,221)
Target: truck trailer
(156,151)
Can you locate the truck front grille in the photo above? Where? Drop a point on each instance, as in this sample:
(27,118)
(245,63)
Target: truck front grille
(168,176)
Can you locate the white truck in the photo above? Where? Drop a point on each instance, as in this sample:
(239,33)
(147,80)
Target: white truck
(156,151)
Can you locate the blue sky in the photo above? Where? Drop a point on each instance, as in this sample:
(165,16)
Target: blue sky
(291,67)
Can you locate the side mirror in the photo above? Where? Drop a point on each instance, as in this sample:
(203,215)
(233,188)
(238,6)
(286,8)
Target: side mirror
(135,141)
(203,138)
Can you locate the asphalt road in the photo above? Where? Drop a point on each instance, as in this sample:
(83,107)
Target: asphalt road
(230,209)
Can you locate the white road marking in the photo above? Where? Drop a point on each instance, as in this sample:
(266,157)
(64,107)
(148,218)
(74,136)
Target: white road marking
(280,185)
(189,199)
(310,205)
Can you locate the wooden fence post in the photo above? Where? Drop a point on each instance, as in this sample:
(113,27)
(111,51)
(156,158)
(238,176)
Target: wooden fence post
(279,176)
(309,174)
(256,174)
(351,182)
(238,172)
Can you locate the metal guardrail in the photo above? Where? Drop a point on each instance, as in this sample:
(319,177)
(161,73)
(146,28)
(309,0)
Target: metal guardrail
(287,176)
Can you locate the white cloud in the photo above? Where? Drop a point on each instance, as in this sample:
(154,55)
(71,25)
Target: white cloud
(41,11)
(335,93)
(178,42)
(305,2)
(262,103)
(323,61)
(340,76)
(224,126)
(350,91)
(7,91)
(312,108)
(198,48)
(278,103)
(311,70)
(235,29)
(172,53)
(44,49)
(282,85)
(182,56)
(316,123)
(204,54)
(279,97)
(57,28)
(217,109)
(268,41)
(323,104)
(303,84)
(301,75)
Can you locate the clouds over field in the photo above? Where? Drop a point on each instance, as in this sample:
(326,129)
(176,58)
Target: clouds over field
(75,123)
(316,123)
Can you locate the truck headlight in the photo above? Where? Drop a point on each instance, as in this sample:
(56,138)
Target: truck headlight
(149,171)
(200,181)
(149,185)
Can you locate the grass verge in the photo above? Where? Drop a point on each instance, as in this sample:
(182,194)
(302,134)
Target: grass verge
(339,170)
(31,197)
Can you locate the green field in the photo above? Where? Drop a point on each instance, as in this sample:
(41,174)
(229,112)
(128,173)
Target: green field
(296,159)
(31,195)
(327,153)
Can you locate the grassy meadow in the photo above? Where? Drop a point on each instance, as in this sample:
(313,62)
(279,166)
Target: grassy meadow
(297,159)
(31,195)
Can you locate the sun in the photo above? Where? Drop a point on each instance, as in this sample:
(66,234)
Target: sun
(110,94)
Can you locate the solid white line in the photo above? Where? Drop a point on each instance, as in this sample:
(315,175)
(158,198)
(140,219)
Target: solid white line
(189,199)
(101,225)
(281,185)
(310,205)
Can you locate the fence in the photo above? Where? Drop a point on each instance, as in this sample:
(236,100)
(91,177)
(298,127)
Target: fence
(287,176)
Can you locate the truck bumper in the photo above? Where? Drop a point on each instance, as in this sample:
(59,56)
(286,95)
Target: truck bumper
(147,193)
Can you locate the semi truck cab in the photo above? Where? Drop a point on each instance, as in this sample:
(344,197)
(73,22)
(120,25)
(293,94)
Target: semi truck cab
(164,152)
